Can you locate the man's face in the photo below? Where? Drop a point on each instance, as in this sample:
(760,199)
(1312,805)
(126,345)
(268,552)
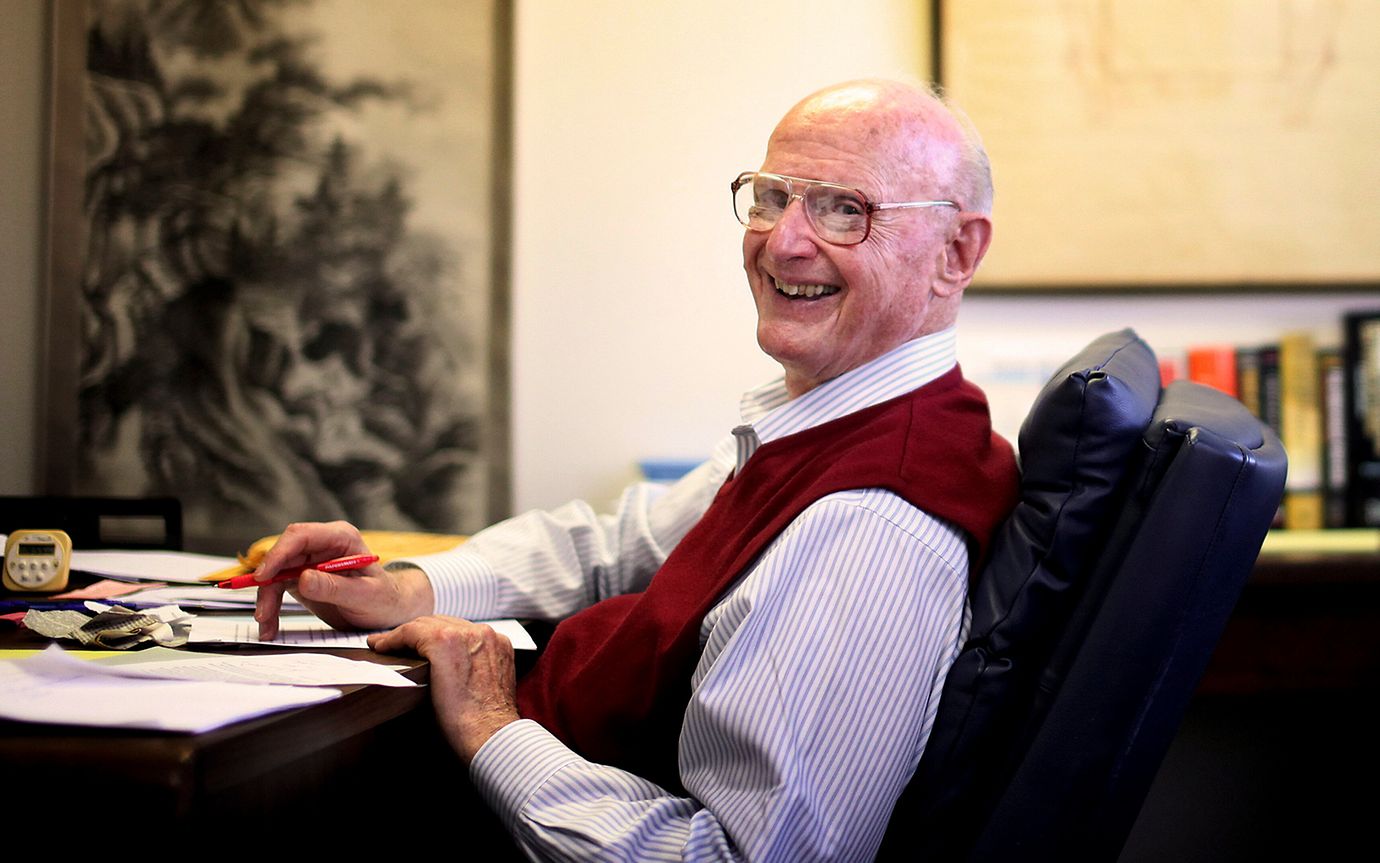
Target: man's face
(878,292)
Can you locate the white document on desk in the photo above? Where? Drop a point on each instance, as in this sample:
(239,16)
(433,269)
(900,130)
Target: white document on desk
(296,668)
(178,567)
(296,630)
(51,687)
(191,596)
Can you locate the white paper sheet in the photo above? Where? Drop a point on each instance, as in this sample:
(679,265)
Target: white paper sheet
(309,630)
(179,567)
(53,688)
(298,669)
(205,597)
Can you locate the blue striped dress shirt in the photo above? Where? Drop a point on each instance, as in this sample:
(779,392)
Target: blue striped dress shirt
(820,672)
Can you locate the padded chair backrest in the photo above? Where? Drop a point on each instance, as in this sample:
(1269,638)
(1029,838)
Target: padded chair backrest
(1078,670)
(1205,488)
(99,522)
(1075,446)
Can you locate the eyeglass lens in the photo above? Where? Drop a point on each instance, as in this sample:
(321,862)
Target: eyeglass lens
(838,215)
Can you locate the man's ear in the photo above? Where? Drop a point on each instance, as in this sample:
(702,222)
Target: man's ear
(963,254)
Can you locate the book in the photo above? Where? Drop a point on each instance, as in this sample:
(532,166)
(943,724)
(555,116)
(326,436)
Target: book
(1271,405)
(1301,431)
(1170,370)
(1361,363)
(1248,378)
(1214,366)
(1332,392)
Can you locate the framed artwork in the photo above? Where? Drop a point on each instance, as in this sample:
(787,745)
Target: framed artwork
(1177,145)
(277,277)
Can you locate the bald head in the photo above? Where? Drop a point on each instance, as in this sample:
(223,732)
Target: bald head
(926,143)
(828,302)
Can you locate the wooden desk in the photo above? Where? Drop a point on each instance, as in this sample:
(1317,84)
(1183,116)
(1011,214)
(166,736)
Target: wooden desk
(1305,627)
(371,764)
(1305,622)
(299,760)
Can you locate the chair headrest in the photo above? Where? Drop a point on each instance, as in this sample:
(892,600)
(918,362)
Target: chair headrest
(1207,408)
(1074,446)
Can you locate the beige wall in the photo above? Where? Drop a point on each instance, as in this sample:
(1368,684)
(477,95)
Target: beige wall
(632,330)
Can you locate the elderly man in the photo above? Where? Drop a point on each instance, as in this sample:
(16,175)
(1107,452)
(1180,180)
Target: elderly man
(748,663)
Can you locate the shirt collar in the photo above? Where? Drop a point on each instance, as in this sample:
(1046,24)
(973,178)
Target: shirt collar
(768,413)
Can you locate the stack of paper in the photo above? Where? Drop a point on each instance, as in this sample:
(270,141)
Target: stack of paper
(158,578)
(172,578)
(53,688)
(311,631)
(176,567)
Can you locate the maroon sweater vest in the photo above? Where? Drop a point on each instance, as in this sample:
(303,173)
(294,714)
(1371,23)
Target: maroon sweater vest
(614,680)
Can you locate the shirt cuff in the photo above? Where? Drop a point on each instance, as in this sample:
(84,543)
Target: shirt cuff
(514,763)
(463,583)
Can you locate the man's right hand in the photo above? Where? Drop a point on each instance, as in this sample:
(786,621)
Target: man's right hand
(370,598)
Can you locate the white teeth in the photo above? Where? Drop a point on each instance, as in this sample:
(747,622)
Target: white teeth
(805,290)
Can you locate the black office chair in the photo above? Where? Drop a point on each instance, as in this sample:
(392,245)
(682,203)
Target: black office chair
(99,522)
(1140,518)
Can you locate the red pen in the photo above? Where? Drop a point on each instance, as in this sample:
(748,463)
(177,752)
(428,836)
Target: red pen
(340,564)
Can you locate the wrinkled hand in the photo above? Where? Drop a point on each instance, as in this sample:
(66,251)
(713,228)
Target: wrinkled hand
(473,683)
(369,598)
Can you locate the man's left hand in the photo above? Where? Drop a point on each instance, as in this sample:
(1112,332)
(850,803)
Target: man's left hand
(473,682)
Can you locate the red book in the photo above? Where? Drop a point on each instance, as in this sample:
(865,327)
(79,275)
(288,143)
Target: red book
(1171,369)
(1215,366)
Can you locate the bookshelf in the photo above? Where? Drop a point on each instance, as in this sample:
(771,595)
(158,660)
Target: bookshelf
(1307,620)
(1340,545)
(1323,400)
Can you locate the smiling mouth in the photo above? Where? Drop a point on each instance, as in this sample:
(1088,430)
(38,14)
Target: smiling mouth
(805,292)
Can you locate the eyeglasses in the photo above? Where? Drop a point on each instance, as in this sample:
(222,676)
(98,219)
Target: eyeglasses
(838,214)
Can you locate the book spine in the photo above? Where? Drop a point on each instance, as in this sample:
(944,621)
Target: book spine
(1301,432)
(1271,404)
(1248,378)
(1171,369)
(1361,355)
(1332,390)
(1215,366)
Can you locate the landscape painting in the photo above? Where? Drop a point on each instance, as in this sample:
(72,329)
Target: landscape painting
(282,295)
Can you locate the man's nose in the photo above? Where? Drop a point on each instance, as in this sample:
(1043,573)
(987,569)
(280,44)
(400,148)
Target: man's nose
(793,236)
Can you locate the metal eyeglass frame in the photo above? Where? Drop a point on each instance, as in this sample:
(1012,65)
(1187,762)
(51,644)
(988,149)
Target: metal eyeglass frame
(869,207)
